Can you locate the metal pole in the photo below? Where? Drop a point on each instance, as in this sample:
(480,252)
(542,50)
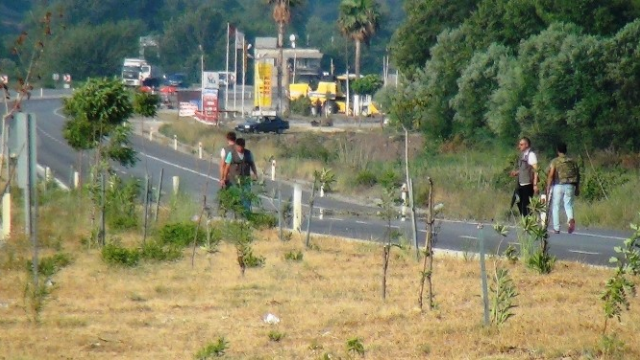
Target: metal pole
(158,194)
(280,215)
(483,274)
(244,67)
(103,228)
(226,85)
(201,79)
(414,225)
(146,209)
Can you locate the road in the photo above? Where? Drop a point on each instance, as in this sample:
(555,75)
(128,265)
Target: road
(590,246)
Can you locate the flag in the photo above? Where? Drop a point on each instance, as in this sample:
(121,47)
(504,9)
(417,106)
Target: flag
(239,39)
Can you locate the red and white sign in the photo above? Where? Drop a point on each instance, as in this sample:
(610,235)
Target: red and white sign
(209,115)
(4,79)
(66,78)
(187,108)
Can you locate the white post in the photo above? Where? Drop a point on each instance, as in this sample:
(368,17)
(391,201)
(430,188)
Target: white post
(47,175)
(175,142)
(322,190)
(41,92)
(199,150)
(76,179)
(297,207)
(273,170)
(6,215)
(321,213)
(176,185)
(404,202)
(150,134)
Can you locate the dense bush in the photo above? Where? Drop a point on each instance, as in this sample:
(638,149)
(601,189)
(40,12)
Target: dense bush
(121,197)
(116,255)
(49,265)
(262,220)
(155,251)
(181,234)
(366,178)
(311,147)
(301,106)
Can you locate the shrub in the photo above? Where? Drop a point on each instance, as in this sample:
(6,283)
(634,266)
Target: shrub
(597,185)
(308,147)
(214,349)
(262,220)
(181,234)
(366,178)
(121,197)
(48,266)
(301,106)
(249,259)
(275,336)
(117,255)
(293,255)
(155,251)
(390,179)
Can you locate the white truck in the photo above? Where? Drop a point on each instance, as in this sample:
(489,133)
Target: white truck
(137,72)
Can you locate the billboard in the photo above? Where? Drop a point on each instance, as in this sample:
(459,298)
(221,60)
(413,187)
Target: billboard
(210,80)
(263,89)
(188,102)
(209,115)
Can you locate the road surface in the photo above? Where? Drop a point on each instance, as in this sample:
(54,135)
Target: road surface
(592,246)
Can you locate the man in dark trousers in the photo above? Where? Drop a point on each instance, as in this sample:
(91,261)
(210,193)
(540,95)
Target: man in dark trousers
(239,165)
(527,175)
(231,144)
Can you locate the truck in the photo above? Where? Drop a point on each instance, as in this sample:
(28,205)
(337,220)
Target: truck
(331,94)
(138,72)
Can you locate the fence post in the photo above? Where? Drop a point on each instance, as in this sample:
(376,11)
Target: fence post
(76,179)
(175,142)
(199,150)
(297,207)
(176,185)
(6,215)
(483,273)
(158,195)
(403,211)
(273,170)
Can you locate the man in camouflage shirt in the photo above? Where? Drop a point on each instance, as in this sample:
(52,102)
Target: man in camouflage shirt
(564,174)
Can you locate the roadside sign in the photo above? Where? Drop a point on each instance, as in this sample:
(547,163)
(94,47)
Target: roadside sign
(56,77)
(4,79)
(67,78)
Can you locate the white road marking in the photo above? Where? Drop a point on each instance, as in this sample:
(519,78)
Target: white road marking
(361,222)
(468,237)
(583,252)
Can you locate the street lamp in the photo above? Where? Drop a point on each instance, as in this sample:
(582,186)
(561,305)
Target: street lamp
(292,38)
(201,78)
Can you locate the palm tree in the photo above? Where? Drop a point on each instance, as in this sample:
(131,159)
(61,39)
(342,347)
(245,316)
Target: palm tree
(359,20)
(282,17)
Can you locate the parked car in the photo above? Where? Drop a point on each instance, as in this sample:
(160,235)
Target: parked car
(263,124)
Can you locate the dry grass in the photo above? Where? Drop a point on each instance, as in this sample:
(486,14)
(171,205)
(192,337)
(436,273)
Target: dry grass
(170,311)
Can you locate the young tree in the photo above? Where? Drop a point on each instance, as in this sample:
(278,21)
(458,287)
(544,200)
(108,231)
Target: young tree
(359,20)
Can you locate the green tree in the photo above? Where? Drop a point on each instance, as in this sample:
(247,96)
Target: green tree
(367,85)
(359,20)
(97,119)
(475,85)
(425,20)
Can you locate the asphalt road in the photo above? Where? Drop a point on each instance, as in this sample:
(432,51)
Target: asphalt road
(593,246)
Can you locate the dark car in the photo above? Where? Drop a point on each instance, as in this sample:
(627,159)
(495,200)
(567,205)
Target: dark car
(263,124)
(178,80)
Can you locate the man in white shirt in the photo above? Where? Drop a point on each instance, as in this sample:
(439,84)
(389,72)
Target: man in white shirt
(527,175)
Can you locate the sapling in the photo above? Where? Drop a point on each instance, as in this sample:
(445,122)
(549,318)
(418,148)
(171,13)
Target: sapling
(388,213)
(323,179)
(541,260)
(620,287)
(427,266)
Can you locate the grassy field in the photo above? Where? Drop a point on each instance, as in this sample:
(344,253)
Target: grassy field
(331,294)
(171,311)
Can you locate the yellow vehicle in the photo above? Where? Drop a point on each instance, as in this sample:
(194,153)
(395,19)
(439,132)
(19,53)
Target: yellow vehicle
(330,94)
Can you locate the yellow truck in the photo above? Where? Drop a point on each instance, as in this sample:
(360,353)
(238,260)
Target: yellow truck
(331,94)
